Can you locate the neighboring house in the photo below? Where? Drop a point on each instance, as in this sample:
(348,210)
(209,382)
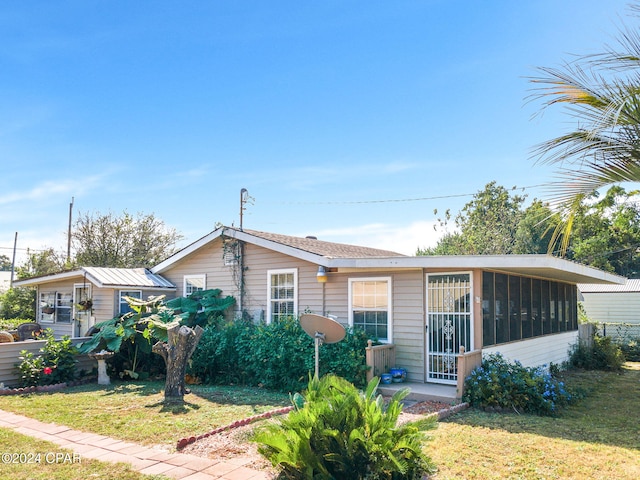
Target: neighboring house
(612,303)
(524,306)
(440,312)
(60,295)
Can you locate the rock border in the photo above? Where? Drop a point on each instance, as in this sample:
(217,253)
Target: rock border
(44,388)
(183,442)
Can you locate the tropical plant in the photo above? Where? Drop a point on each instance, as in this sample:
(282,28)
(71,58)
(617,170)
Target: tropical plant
(163,328)
(602,93)
(56,362)
(338,432)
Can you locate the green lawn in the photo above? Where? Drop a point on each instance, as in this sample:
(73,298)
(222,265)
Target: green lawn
(47,461)
(597,438)
(135,411)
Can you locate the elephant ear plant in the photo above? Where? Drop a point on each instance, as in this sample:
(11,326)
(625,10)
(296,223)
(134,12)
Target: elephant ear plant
(336,431)
(170,329)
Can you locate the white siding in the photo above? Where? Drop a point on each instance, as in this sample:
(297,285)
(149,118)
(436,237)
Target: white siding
(613,307)
(537,351)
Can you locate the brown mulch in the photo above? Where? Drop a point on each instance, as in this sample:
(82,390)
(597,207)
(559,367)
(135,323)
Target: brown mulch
(235,444)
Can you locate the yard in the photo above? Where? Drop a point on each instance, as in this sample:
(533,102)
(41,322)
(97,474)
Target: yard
(599,437)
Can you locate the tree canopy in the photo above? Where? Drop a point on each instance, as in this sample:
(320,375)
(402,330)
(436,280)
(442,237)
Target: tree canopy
(601,93)
(606,231)
(127,241)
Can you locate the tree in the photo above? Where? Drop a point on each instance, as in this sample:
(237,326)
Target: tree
(5,263)
(171,329)
(602,93)
(18,303)
(41,263)
(606,232)
(486,225)
(125,241)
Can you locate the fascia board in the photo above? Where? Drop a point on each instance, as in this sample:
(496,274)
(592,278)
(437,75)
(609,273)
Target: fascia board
(277,247)
(527,264)
(48,278)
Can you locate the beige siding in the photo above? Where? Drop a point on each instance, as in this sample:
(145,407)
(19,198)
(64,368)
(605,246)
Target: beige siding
(259,261)
(538,351)
(622,307)
(206,260)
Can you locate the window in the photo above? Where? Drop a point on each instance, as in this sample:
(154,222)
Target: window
(124,305)
(535,308)
(63,307)
(194,283)
(282,294)
(47,307)
(370,306)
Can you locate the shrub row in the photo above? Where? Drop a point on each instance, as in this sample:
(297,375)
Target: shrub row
(278,356)
(603,354)
(499,384)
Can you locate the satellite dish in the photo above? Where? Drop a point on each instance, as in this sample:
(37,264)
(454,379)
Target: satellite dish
(322,330)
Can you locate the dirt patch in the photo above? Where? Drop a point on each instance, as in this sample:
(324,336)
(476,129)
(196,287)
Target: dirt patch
(235,445)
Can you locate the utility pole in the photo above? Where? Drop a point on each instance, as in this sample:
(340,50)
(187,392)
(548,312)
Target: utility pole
(69,233)
(244,196)
(13,262)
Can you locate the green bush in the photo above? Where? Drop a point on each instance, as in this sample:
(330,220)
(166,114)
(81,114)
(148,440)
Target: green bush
(277,356)
(12,323)
(55,364)
(631,350)
(604,354)
(337,431)
(499,384)
(18,303)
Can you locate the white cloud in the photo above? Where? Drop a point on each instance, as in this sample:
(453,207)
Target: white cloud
(404,239)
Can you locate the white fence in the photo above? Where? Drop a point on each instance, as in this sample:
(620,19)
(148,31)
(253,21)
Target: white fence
(9,353)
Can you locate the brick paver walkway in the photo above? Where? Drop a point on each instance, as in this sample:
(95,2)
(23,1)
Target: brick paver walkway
(147,460)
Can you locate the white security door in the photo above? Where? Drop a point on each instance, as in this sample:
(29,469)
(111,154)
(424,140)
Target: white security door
(449,324)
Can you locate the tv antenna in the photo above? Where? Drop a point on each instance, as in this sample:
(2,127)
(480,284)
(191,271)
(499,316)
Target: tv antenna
(322,330)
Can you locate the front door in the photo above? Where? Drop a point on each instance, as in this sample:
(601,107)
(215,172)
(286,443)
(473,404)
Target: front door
(449,324)
(82,311)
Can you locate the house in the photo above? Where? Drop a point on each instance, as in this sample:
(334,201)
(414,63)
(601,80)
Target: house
(70,303)
(612,303)
(439,314)
(435,310)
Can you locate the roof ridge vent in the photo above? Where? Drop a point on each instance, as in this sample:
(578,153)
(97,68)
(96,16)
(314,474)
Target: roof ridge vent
(311,237)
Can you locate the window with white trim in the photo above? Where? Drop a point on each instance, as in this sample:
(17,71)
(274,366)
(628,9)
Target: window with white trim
(282,294)
(370,306)
(47,307)
(194,283)
(123,304)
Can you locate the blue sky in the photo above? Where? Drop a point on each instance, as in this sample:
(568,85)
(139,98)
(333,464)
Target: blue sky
(323,111)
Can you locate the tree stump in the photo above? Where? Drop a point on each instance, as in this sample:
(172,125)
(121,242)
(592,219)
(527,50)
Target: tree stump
(182,342)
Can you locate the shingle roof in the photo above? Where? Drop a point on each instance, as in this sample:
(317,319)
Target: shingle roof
(320,247)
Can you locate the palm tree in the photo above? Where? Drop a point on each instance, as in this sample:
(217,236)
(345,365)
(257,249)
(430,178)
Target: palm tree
(602,92)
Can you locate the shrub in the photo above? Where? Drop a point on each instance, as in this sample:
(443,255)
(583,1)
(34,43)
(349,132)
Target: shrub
(602,355)
(277,356)
(499,384)
(55,364)
(631,350)
(336,431)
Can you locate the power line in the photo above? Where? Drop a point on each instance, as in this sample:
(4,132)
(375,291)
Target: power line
(399,200)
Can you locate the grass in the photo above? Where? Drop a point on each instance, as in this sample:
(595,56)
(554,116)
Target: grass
(134,411)
(597,438)
(44,465)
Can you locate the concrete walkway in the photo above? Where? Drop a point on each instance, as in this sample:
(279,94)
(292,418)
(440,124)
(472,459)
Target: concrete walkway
(146,460)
